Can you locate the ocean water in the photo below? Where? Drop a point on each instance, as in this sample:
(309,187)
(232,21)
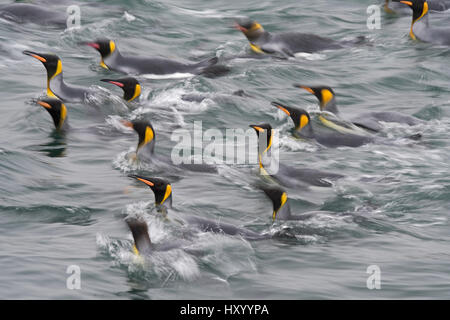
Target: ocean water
(63,199)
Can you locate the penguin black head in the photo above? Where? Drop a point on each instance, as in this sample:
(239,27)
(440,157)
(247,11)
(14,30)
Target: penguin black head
(300,117)
(104,46)
(264,129)
(141,237)
(324,94)
(419,7)
(279,200)
(51,62)
(161,188)
(145,132)
(130,86)
(251,29)
(57,110)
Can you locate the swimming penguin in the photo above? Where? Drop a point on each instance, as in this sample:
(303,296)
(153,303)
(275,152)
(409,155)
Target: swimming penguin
(58,112)
(304,129)
(141,237)
(281,208)
(130,86)
(146,147)
(31,13)
(56,87)
(143,246)
(287,176)
(112,59)
(368,120)
(163,200)
(403,9)
(420,26)
(285,44)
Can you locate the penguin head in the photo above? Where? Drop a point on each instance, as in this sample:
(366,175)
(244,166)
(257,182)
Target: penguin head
(141,237)
(57,110)
(161,188)
(104,46)
(300,117)
(264,130)
(419,7)
(251,29)
(324,94)
(145,131)
(279,198)
(51,62)
(130,86)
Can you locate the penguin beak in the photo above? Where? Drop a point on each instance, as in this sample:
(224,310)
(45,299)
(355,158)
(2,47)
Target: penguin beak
(304,87)
(93,45)
(409,3)
(128,124)
(119,84)
(44,104)
(35,55)
(146,181)
(239,27)
(279,106)
(259,129)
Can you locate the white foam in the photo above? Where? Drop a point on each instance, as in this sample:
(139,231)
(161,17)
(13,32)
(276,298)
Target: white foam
(129,17)
(310,56)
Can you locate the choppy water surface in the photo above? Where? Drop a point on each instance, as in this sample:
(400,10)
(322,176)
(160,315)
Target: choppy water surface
(63,198)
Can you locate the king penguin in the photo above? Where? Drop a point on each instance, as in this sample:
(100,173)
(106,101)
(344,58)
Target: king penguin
(130,86)
(368,120)
(145,150)
(286,44)
(58,112)
(32,13)
(163,201)
(304,129)
(143,247)
(403,9)
(281,207)
(113,60)
(270,168)
(56,87)
(420,25)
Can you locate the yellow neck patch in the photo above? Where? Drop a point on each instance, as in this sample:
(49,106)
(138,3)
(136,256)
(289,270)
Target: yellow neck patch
(303,121)
(102,63)
(49,91)
(135,250)
(283,202)
(148,137)
(63,116)
(256,48)
(58,70)
(112,46)
(167,194)
(137,92)
(255,26)
(424,12)
(326,97)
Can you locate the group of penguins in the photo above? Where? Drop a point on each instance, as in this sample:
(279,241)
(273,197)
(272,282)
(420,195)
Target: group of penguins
(329,129)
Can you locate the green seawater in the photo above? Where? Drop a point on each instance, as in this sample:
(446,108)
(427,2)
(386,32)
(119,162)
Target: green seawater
(63,198)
